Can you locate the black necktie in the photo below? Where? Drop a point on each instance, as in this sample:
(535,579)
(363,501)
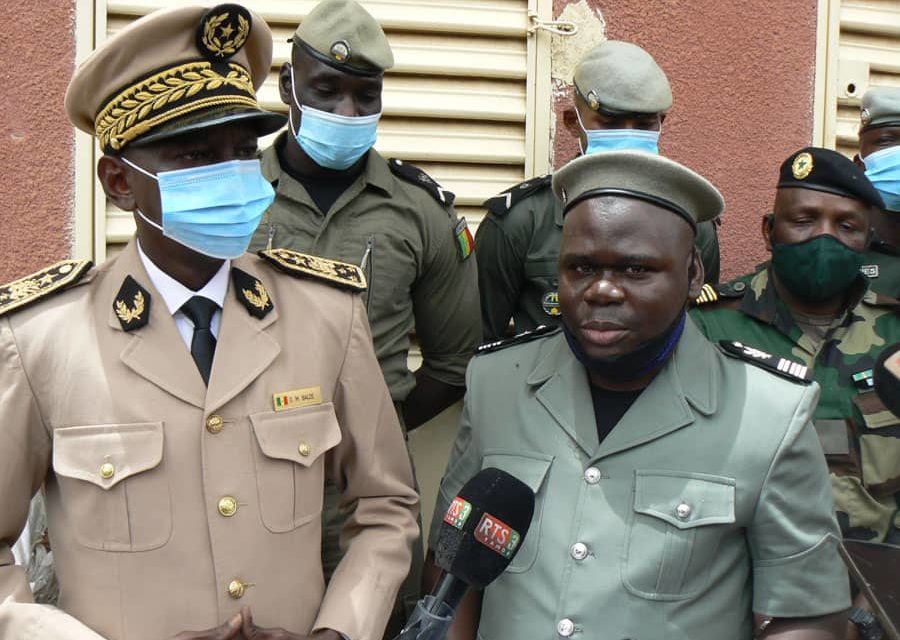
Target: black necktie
(200,310)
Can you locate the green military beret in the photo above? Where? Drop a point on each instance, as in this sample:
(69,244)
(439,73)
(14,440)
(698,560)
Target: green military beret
(621,77)
(343,35)
(640,175)
(880,108)
(174,71)
(829,171)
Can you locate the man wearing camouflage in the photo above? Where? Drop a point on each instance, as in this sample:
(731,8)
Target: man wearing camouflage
(811,303)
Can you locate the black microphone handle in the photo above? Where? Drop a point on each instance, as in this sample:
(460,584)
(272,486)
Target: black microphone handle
(449,590)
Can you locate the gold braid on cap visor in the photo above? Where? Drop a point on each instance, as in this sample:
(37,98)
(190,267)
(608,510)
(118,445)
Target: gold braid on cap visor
(170,94)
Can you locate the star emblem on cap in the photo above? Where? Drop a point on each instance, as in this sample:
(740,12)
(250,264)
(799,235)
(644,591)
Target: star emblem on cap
(802,165)
(223,30)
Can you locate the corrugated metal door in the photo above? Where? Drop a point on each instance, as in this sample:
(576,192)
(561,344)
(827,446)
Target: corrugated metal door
(867,54)
(460,102)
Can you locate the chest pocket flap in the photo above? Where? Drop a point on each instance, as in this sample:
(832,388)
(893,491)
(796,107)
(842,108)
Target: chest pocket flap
(684,500)
(104,455)
(298,435)
(532,469)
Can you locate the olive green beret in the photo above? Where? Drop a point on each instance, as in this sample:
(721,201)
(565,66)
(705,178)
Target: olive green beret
(880,108)
(342,34)
(174,71)
(641,175)
(621,77)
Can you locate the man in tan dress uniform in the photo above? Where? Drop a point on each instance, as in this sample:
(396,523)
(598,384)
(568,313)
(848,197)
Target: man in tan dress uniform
(184,402)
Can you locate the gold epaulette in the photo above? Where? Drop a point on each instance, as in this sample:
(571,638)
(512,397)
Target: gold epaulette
(707,294)
(341,274)
(28,290)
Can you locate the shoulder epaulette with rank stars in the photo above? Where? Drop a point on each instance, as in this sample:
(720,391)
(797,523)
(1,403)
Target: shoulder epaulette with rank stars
(501,203)
(774,364)
(37,286)
(520,338)
(299,265)
(715,292)
(412,173)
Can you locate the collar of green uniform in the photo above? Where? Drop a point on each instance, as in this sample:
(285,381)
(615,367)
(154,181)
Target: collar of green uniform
(691,370)
(377,173)
(763,302)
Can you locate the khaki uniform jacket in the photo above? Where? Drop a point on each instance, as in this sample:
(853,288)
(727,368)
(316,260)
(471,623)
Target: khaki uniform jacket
(405,243)
(708,501)
(142,548)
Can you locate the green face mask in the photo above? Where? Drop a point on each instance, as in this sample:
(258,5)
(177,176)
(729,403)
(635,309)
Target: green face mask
(816,269)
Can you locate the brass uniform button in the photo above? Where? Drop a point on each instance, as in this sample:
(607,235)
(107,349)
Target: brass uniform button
(214,424)
(228,506)
(107,470)
(304,449)
(236,589)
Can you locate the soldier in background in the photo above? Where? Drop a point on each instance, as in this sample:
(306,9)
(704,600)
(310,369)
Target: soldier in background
(811,303)
(621,97)
(879,156)
(337,197)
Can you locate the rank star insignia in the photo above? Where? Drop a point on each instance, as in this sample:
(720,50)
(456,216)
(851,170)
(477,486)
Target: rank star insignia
(802,166)
(132,305)
(223,30)
(32,288)
(251,293)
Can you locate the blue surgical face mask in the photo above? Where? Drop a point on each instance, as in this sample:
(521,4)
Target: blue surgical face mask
(331,140)
(213,209)
(883,170)
(619,139)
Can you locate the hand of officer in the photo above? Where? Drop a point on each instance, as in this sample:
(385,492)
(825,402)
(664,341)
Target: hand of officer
(228,630)
(252,632)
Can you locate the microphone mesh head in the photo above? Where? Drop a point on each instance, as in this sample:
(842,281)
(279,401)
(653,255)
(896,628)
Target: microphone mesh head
(484,527)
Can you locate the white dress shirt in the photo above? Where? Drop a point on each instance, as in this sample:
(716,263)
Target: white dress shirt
(175,294)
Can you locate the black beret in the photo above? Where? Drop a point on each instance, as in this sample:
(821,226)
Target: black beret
(826,170)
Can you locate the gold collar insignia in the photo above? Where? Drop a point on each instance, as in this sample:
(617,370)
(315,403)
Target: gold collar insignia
(251,293)
(132,305)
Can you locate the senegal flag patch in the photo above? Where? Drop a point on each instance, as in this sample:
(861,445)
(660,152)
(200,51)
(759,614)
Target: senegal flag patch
(464,240)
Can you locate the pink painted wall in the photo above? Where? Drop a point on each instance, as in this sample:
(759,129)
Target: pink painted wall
(743,78)
(36,162)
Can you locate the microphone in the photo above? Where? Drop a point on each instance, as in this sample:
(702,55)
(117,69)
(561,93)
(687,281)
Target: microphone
(482,531)
(886,378)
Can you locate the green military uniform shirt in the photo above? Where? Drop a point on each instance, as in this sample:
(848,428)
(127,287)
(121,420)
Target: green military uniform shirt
(861,438)
(881,264)
(405,241)
(518,254)
(695,511)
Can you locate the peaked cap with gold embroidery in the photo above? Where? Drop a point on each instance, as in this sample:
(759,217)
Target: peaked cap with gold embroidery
(174,71)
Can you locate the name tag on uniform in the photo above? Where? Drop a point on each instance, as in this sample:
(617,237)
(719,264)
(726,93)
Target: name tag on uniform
(297,398)
(870,270)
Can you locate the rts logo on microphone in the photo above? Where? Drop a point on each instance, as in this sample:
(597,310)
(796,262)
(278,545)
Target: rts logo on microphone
(457,513)
(497,536)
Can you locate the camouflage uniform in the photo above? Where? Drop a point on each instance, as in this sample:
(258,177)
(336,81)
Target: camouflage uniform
(860,437)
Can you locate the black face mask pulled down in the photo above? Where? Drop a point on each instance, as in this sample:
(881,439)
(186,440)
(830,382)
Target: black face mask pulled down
(631,366)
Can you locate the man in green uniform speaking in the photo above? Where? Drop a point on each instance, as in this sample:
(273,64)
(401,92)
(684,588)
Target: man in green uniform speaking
(620,101)
(879,156)
(681,490)
(337,197)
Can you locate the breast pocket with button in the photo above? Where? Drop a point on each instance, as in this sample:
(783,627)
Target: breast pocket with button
(113,489)
(290,463)
(676,525)
(530,468)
